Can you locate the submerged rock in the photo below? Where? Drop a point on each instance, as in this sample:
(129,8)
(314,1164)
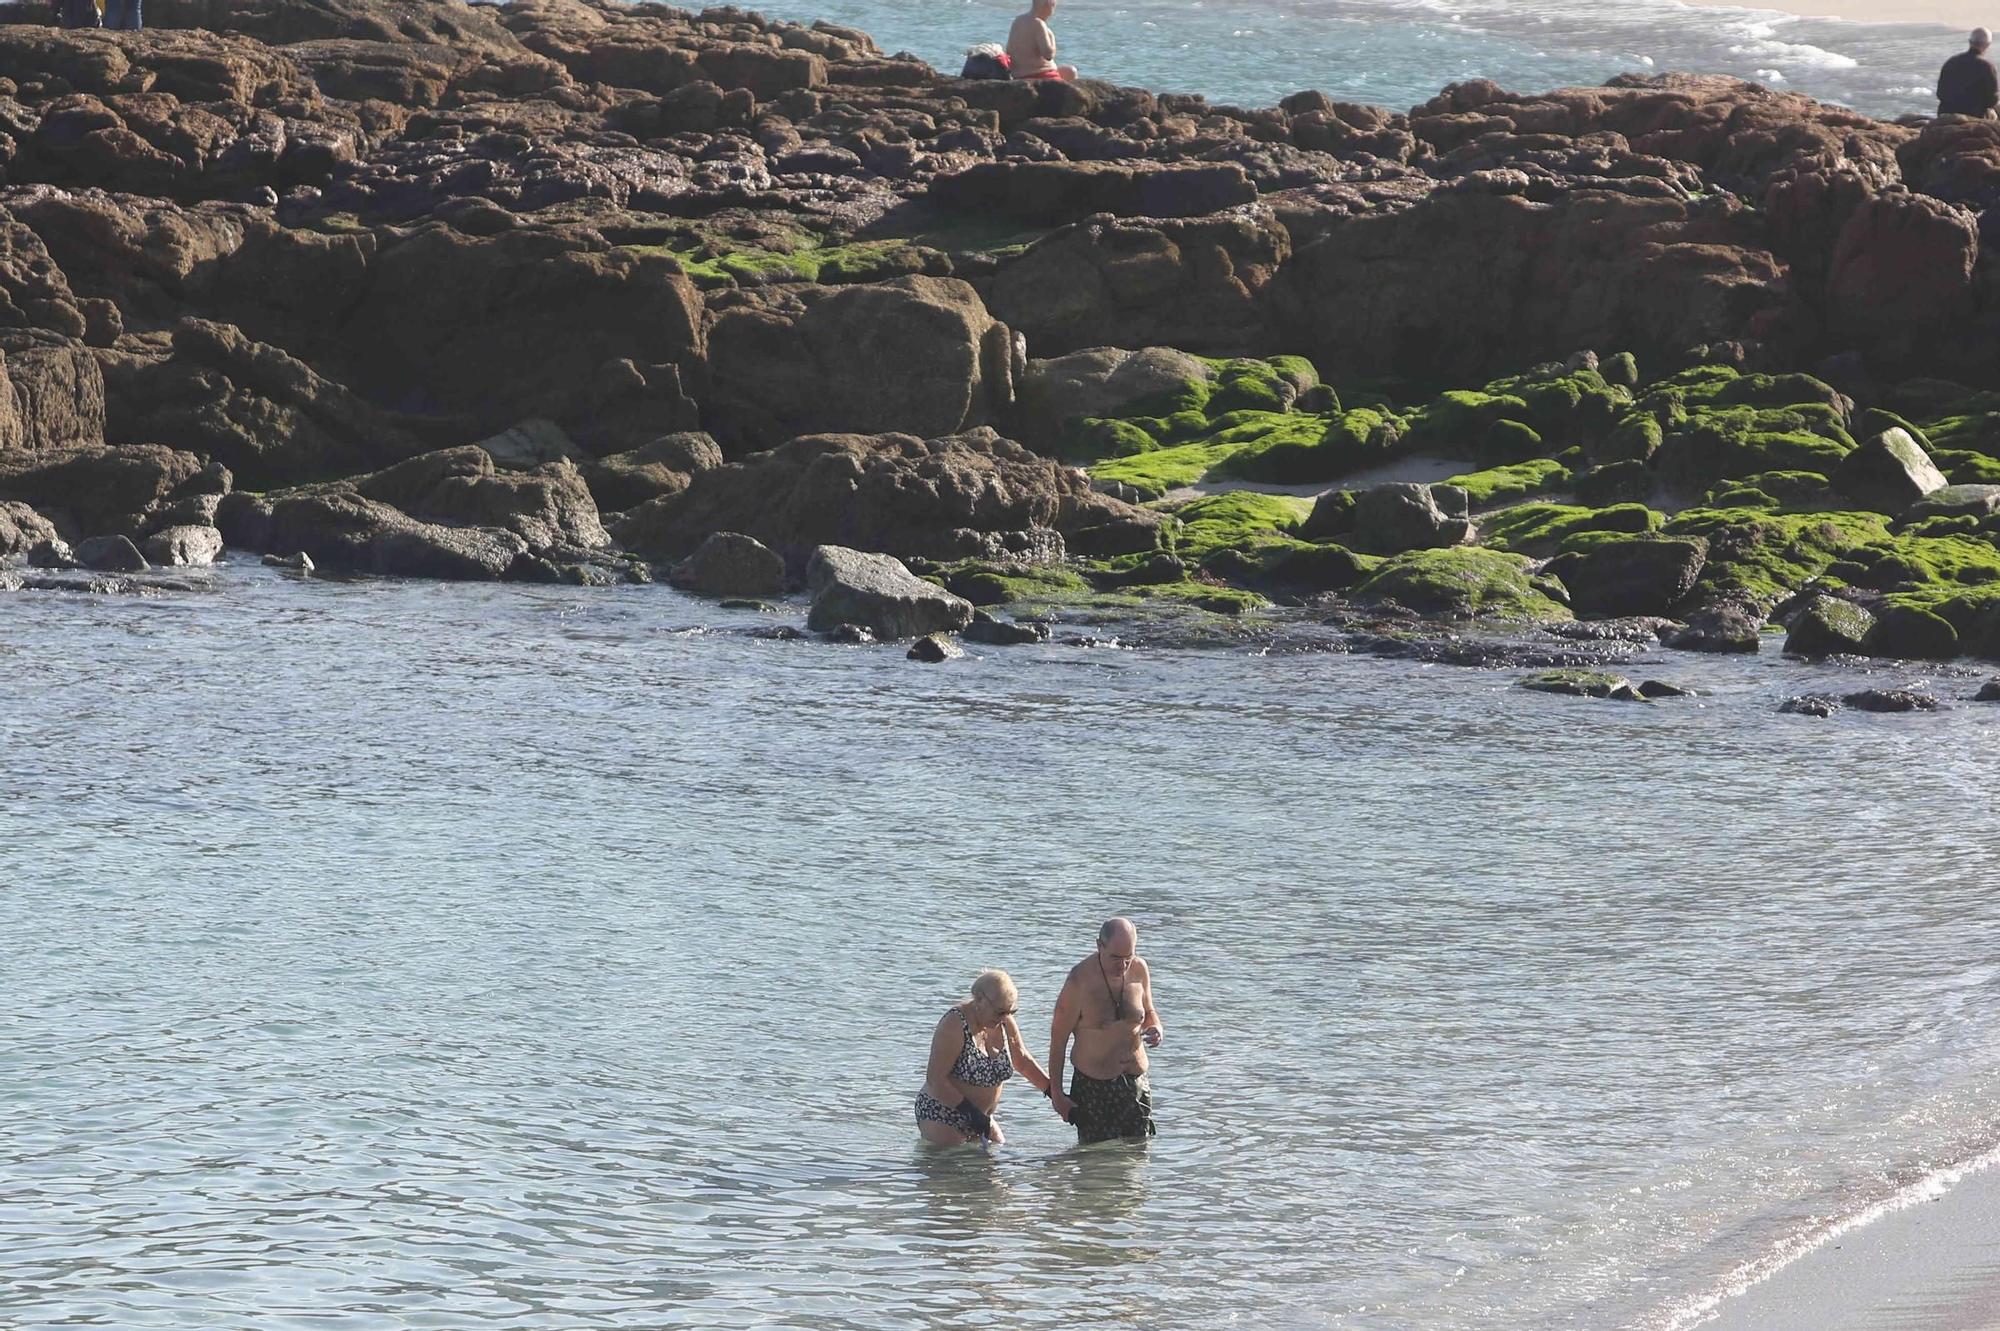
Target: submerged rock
(934,648)
(877,592)
(1890,700)
(995,632)
(1810,704)
(1723,630)
(1584,684)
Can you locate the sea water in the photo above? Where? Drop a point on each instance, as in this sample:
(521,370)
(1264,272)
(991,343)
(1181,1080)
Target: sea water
(1398,53)
(406,955)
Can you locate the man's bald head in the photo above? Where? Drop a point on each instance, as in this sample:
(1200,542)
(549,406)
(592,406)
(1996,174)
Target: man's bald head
(1117,929)
(1980,39)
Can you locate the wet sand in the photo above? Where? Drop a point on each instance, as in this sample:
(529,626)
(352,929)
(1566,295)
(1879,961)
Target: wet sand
(1964,14)
(1933,1265)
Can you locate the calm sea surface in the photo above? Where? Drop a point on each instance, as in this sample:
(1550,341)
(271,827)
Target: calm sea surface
(1398,53)
(398,955)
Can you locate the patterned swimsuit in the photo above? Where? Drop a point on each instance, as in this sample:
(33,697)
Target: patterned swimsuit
(974,1069)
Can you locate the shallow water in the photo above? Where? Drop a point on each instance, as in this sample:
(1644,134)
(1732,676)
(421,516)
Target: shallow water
(406,955)
(1398,53)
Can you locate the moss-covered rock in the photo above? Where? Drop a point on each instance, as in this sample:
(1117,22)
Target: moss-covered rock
(1911,632)
(1008,584)
(1888,473)
(1506,485)
(1973,501)
(1636,437)
(1507,442)
(1759,558)
(1536,529)
(1906,562)
(1829,626)
(1454,424)
(1584,684)
(1238,519)
(1465,582)
(1630,575)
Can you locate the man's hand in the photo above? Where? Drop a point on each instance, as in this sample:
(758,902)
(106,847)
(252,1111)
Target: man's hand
(1062,1104)
(994,1136)
(1152,1035)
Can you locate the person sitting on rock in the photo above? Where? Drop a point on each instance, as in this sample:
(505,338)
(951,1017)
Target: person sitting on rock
(1968,85)
(1031,46)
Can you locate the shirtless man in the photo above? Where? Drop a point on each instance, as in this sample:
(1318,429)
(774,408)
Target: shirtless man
(1031,46)
(1106,1005)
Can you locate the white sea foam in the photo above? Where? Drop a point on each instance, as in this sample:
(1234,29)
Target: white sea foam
(1927,1188)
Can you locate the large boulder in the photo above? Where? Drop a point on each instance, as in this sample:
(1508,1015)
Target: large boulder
(894,493)
(1902,269)
(55,393)
(111,554)
(876,592)
(1887,473)
(98,489)
(1400,516)
(270,418)
(729,563)
(1479,278)
(1829,626)
(664,466)
(1099,381)
(22,529)
(337,528)
(1200,284)
(518,324)
(1911,633)
(1636,575)
(183,546)
(547,505)
(1954,501)
(919,355)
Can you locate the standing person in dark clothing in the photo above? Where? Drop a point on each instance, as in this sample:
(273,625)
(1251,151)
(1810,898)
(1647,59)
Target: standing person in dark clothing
(1968,85)
(122,14)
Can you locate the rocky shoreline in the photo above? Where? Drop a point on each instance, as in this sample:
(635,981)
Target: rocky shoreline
(574,291)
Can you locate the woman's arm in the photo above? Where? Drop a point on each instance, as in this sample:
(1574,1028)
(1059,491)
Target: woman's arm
(1024,1062)
(938,1080)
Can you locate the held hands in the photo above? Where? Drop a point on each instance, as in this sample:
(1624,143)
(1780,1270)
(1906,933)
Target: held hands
(1152,1035)
(1061,1104)
(994,1137)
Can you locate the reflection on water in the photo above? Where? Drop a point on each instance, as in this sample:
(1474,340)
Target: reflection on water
(387,955)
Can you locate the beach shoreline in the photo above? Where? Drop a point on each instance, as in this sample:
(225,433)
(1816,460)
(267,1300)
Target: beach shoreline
(1928,1256)
(1961,14)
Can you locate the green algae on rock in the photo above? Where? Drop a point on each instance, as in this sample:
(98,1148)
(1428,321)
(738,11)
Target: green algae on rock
(1584,684)
(1464,582)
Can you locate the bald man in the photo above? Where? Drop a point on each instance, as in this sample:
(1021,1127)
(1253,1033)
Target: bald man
(1106,1008)
(1968,85)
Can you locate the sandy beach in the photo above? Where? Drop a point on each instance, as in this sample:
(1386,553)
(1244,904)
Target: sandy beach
(1934,1264)
(1966,14)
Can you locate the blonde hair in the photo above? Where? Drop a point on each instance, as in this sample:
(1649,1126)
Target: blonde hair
(997,988)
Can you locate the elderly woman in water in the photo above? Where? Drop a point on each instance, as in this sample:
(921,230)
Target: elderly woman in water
(976,1047)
